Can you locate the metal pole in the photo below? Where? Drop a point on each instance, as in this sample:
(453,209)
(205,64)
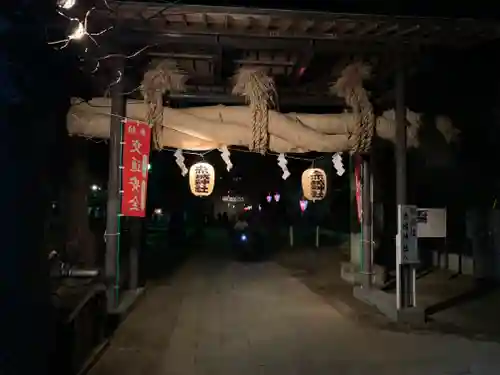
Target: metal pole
(367,265)
(404,273)
(114,199)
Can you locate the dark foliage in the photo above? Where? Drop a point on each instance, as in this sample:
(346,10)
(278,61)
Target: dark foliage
(34,100)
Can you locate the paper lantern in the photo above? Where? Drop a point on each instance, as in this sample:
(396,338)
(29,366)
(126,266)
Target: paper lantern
(303,205)
(201,179)
(314,184)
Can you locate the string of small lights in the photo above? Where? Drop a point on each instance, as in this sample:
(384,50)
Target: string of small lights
(79,32)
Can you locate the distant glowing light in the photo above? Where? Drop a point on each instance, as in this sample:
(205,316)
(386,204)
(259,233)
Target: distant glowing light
(303,204)
(158,211)
(277,197)
(66,4)
(95,187)
(269,198)
(149,167)
(78,33)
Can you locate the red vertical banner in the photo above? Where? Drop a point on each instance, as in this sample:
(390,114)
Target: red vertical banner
(135,165)
(357,179)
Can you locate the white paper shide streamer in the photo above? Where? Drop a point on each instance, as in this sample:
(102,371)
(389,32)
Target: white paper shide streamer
(337,163)
(225,155)
(179,159)
(282,162)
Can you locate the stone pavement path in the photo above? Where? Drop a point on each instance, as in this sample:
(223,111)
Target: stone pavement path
(226,318)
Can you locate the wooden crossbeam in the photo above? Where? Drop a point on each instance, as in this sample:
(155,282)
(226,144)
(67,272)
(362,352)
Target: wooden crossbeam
(239,21)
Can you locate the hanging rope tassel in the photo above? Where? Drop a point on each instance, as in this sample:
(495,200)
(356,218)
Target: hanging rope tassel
(350,87)
(259,91)
(164,77)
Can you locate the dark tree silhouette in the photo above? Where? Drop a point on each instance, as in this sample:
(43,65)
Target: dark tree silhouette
(33,102)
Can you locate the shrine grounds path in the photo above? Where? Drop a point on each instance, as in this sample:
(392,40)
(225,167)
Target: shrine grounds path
(225,318)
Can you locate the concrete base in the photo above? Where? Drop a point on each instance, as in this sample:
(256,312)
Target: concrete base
(386,304)
(349,272)
(452,263)
(413,315)
(128,300)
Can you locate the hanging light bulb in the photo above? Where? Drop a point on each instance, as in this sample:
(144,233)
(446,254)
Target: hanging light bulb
(78,33)
(66,4)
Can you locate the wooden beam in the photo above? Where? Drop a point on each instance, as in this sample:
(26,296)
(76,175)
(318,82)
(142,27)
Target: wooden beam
(218,67)
(182,56)
(127,9)
(322,25)
(301,66)
(344,32)
(186,42)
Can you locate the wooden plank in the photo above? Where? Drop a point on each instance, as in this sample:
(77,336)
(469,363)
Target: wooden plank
(343,31)
(356,23)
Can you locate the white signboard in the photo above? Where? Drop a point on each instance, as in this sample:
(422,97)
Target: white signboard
(406,241)
(227,198)
(431,222)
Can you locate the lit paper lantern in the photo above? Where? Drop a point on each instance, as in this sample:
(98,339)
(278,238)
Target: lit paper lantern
(277,197)
(314,184)
(269,198)
(303,205)
(201,179)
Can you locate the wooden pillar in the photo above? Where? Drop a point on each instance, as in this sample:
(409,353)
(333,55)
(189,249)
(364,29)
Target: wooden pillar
(114,195)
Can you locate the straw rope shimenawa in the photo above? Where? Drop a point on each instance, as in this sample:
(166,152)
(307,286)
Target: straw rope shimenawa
(163,78)
(259,91)
(350,87)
